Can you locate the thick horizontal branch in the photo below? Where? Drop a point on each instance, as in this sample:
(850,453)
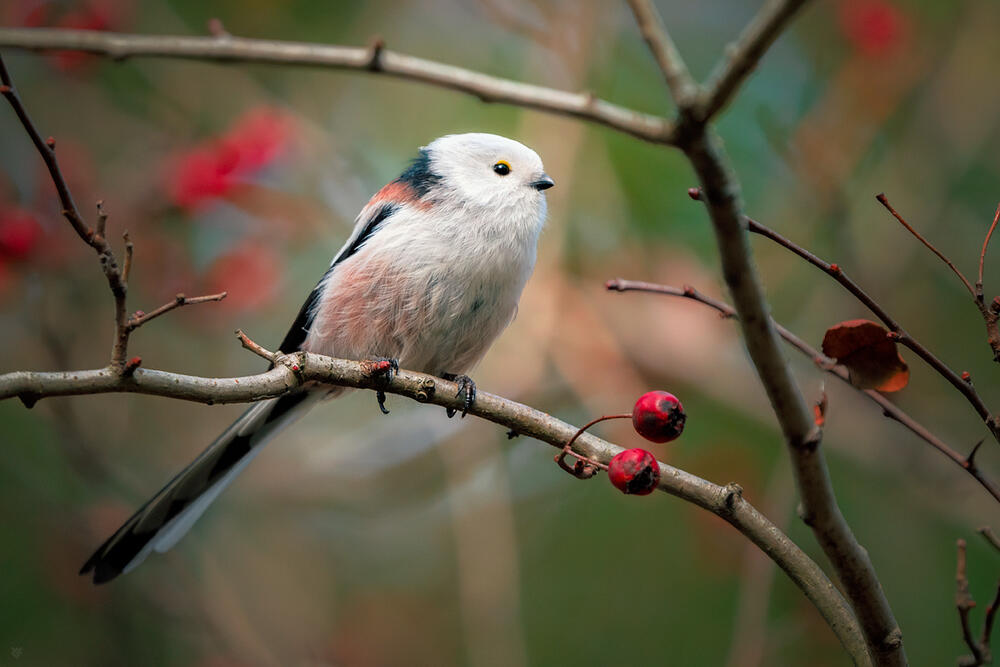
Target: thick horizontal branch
(292,371)
(825,363)
(374,59)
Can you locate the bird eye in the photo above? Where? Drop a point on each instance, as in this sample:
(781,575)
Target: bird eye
(502,167)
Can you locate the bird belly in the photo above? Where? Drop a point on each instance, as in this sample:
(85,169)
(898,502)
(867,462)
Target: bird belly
(440,319)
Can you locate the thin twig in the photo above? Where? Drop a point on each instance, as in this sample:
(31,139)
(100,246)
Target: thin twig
(897,331)
(682,86)
(741,57)
(97,241)
(930,246)
(117,278)
(989,536)
(964,603)
(140,318)
(889,409)
(987,636)
(982,254)
(46,148)
(257,349)
(488,88)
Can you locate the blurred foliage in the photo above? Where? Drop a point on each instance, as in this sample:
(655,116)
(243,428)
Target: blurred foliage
(412,539)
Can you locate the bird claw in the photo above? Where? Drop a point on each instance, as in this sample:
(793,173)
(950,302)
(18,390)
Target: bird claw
(384,369)
(467,387)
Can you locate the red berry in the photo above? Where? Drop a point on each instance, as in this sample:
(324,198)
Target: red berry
(634,471)
(658,416)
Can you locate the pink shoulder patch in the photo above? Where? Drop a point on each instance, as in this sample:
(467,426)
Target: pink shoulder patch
(398,192)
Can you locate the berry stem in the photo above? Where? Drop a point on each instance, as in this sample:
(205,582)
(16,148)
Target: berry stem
(580,470)
(591,423)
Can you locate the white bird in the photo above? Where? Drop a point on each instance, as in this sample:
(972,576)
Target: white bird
(429,277)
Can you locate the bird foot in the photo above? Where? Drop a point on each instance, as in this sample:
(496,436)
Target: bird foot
(467,388)
(383,369)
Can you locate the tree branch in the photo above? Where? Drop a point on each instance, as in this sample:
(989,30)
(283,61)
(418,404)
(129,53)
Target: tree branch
(682,86)
(741,57)
(963,385)
(292,371)
(140,318)
(855,571)
(380,60)
(964,603)
(889,409)
(882,199)
(982,254)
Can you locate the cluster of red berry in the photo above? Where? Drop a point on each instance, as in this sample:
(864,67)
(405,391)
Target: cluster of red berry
(657,416)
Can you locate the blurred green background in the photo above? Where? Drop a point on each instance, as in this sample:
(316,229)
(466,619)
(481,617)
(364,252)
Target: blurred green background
(357,539)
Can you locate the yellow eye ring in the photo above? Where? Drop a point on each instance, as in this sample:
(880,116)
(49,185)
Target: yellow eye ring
(502,168)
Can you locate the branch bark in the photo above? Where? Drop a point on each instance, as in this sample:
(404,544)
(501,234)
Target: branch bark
(374,60)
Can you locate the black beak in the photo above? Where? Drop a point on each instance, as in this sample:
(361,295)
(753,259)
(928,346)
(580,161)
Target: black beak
(543,183)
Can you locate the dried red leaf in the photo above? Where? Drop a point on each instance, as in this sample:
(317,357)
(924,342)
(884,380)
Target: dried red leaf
(870,356)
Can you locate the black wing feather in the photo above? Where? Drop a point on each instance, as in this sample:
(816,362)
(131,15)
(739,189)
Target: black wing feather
(300,327)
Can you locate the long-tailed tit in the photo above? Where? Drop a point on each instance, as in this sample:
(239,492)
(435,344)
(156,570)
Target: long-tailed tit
(429,277)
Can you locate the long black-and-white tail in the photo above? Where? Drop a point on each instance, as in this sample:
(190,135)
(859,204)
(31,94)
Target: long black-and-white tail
(168,515)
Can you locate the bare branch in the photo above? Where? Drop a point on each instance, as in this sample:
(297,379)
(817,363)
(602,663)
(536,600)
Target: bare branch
(97,241)
(982,254)
(682,86)
(989,536)
(896,331)
(964,603)
(239,49)
(741,57)
(47,149)
(930,246)
(720,192)
(140,318)
(259,350)
(987,635)
(427,389)
(129,252)
(889,409)
(117,277)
